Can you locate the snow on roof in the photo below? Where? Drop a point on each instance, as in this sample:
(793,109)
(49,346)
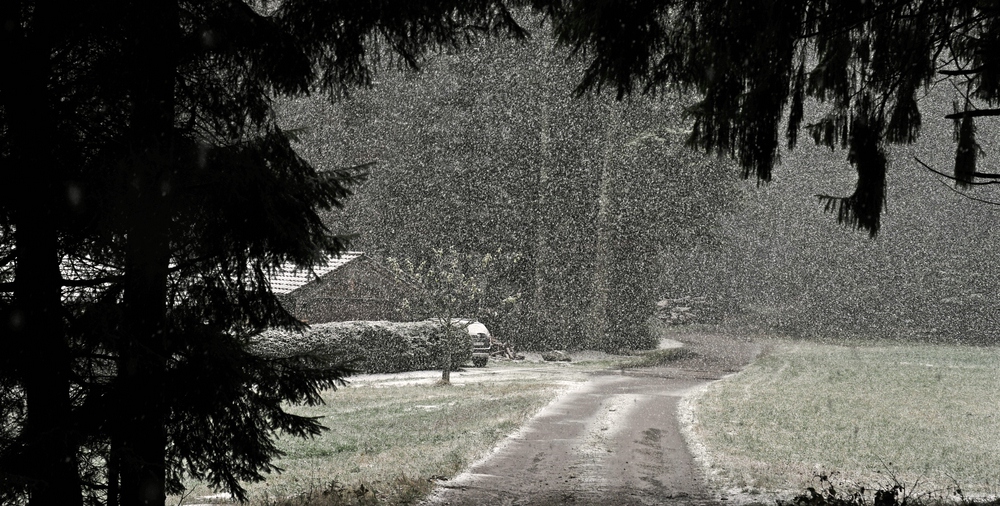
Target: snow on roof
(290,277)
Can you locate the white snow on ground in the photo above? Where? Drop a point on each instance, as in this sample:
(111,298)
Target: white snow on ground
(554,406)
(669,343)
(531,367)
(689,431)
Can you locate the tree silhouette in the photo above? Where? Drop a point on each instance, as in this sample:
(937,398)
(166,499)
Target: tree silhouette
(156,191)
(757,65)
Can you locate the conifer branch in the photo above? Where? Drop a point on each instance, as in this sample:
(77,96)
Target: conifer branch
(973,114)
(984,175)
(961,72)
(970,197)
(92,282)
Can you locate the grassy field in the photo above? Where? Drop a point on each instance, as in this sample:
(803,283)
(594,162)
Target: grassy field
(924,413)
(388,444)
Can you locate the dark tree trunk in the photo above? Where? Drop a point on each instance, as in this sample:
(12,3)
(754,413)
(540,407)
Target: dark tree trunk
(140,437)
(50,446)
(604,236)
(113,470)
(35,324)
(541,251)
(141,434)
(449,345)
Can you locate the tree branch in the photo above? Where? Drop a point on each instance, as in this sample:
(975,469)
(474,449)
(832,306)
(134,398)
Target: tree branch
(961,72)
(970,197)
(953,178)
(9,286)
(974,114)
(91,282)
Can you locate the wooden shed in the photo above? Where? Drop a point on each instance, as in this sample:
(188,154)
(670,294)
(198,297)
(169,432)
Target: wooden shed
(353,286)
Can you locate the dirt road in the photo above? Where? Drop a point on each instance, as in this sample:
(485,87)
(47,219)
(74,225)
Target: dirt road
(613,440)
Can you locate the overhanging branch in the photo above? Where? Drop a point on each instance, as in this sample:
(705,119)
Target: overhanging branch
(983,175)
(91,282)
(964,72)
(974,113)
(970,197)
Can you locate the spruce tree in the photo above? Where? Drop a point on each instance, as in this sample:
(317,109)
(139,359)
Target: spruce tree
(160,193)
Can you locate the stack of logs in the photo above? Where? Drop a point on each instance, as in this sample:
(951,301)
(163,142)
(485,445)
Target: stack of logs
(502,350)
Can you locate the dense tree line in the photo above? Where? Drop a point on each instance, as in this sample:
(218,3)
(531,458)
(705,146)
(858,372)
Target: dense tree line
(488,151)
(784,268)
(850,76)
(863,79)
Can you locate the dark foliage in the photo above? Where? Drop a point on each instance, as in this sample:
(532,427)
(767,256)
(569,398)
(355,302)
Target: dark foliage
(156,191)
(893,494)
(756,63)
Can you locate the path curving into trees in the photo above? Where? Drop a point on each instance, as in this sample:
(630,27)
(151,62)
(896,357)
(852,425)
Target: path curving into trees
(613,440)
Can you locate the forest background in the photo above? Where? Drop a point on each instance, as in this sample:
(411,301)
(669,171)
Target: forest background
(599,210)
(156,190)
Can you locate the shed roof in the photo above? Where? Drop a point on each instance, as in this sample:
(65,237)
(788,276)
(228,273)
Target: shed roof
(291,277)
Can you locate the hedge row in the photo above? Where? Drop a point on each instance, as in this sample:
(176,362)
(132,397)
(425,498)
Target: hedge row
(371,346)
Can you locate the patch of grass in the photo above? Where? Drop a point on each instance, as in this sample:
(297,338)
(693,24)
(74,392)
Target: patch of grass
(335,494)
(656,358)
(389,444)
(931,412)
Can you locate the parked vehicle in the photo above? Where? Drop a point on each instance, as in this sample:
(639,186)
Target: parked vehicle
(481,343)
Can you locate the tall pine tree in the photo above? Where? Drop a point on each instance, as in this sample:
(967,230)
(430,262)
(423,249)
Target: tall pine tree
(158,192)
